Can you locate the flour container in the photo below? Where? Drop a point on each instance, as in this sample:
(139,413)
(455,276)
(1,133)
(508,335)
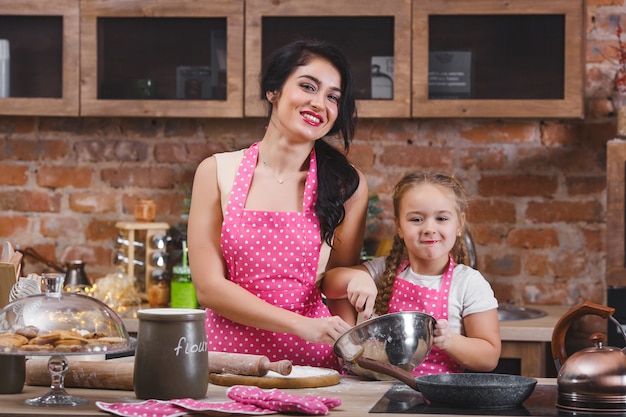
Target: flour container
(13,371)
(171,360)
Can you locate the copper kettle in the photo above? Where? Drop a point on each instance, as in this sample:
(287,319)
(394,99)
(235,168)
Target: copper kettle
(75,277)
(592,379)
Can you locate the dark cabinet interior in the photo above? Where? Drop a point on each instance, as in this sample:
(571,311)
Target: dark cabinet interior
(165,58)
(512,56)
(348,32)
(36,55)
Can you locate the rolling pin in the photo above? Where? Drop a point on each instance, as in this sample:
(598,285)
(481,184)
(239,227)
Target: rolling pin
(246,364)
(85,374)
(114,374)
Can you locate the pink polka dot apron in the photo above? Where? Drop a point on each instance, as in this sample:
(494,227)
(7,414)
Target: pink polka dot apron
(407,296)
(274,255)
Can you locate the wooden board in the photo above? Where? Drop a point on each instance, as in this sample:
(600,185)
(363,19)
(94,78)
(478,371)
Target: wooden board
(300,377)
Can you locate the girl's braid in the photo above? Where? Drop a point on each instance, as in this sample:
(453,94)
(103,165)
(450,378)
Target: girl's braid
(385,285)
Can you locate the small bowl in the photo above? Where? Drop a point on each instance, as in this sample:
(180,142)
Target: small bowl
(401,339)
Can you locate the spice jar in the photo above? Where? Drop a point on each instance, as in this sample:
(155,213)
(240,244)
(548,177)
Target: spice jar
(145,211)
(159,290)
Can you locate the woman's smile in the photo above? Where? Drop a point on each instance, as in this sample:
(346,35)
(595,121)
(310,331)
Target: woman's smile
(312,118)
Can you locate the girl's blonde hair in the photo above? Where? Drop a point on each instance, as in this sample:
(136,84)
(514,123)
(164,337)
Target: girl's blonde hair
(398,253)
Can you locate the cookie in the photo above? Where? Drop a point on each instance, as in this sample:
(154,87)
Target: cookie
(70,342)
(111,340)
(29,331)
(36,348)
(12,340)
(45,339)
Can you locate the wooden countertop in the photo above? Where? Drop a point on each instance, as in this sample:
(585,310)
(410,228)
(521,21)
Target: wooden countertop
(533,330)
(357,397)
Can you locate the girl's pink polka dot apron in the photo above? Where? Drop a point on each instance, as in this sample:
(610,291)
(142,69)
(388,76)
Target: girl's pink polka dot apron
(274,255)
(407,296)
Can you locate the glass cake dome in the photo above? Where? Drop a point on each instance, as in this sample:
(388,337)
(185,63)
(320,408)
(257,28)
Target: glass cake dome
(57,322)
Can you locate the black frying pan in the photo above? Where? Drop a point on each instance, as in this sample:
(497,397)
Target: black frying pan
(467,390)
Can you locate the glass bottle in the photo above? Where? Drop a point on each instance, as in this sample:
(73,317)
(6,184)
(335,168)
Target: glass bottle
(183,293)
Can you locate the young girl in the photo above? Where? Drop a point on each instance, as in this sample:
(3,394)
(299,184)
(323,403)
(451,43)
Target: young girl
(424,273)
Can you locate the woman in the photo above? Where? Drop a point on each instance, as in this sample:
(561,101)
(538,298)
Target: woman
(267,221)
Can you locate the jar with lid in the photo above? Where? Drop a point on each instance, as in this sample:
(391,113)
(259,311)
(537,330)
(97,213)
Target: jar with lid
(145,210)
(159,289)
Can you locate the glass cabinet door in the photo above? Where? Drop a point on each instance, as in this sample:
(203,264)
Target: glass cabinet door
(498,59)
(166,59)
(43,48)
(375,37)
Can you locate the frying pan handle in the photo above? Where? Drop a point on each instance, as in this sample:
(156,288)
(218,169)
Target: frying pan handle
(389,369)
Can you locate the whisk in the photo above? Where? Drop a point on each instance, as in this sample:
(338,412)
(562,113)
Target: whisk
(26,286)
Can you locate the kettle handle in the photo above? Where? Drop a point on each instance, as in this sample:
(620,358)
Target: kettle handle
(35,255)
(559,354)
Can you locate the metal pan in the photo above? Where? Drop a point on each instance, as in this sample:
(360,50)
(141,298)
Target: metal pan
(467,390)
(476,390)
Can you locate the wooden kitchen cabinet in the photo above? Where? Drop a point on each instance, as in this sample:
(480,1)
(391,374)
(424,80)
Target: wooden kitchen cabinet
(519,58)
(44,48)
(375,36)
(161,59)
(489,58)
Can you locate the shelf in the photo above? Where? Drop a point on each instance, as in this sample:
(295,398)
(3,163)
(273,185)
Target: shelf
(361,29)
(162,59)
(498,59)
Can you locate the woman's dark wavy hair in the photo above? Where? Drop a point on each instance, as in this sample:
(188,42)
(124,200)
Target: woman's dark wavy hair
(337,178)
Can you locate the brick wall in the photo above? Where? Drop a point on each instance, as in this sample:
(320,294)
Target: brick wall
(539,185)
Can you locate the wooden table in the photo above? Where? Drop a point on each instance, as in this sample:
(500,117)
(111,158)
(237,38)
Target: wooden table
(357,396)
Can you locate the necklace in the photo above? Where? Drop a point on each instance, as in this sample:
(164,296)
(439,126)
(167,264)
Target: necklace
(278,180)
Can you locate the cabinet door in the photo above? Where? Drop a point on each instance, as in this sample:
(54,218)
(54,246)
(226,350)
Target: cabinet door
(43,57)
(489,58)
(375,36)
(162,58)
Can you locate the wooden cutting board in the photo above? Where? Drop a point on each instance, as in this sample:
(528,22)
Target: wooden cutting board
(300,377)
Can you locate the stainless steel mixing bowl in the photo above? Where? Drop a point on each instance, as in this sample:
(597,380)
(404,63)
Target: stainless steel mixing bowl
(399,339)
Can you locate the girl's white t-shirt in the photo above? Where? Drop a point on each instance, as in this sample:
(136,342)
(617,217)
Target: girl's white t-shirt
(470,292)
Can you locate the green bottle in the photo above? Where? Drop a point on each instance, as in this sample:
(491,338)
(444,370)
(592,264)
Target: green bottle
(183,293)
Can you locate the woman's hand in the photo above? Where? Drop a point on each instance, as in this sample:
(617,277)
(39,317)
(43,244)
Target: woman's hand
(443,334)
(323,330)
(361,293)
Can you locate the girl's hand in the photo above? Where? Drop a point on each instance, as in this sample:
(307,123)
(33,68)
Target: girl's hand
(362,294)
(443,335)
